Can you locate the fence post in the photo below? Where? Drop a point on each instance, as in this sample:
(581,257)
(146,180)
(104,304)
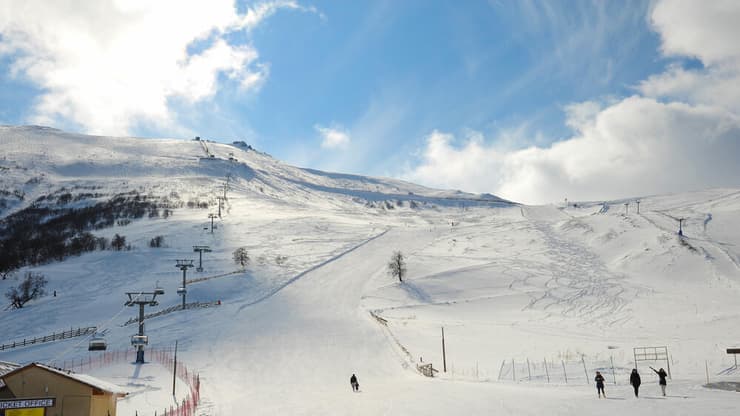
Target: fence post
(585,372)
(529,371)
(614,376)
(513,370)
(706,366)
(546,372)
(501,370)
(565,373)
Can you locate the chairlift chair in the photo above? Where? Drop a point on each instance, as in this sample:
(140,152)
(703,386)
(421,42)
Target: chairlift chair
(97,343)
(158,290)
(181,290)
(137,340)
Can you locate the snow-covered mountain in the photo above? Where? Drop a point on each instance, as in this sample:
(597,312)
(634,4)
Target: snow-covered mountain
(533,299)
(37,161)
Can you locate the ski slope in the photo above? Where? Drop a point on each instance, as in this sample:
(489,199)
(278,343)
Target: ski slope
(507,282)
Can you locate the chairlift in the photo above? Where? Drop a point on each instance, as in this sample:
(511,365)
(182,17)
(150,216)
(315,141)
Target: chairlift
(139,340)
(181,290)
(97,343)
(158,290)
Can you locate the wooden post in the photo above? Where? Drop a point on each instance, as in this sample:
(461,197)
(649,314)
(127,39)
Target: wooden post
(565,373)
(501,370)
(547,373)
(513,370)
(174,371)
(706,366)
(613,375)
(583,360)
(444,353)
(529,371)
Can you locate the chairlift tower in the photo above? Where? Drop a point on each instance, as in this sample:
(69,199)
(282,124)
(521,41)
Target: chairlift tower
(141,299)
(638,206)
(220,202)
(201,250)
(212,216)
(183,265)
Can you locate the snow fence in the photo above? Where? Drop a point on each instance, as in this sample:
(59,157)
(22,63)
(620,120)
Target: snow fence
(161,356)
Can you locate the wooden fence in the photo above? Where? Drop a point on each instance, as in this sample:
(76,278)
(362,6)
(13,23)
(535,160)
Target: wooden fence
(56,336)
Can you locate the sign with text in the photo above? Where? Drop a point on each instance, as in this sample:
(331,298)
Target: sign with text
(27,403)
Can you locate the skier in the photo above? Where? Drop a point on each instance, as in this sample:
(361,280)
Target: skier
(354,383)
(661,376)
(600,384)
(635,381)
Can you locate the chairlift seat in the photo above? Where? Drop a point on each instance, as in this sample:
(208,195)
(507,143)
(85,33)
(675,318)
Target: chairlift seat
(137,340)
(158,290)
(97,344)
(181,290)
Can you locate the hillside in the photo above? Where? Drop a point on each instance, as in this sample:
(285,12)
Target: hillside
(514,286)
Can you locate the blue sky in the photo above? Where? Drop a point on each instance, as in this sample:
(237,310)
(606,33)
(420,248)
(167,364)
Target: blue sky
(385,80)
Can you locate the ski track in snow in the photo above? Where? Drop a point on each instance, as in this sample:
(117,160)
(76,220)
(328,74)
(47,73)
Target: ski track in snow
(580,284)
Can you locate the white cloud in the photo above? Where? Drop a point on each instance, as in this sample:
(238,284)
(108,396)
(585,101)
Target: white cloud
(333,137)
(681,133)
(107,65)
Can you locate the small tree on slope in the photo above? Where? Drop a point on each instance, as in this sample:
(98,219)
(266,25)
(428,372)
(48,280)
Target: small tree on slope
(241,257)
(397,266)
(31,287)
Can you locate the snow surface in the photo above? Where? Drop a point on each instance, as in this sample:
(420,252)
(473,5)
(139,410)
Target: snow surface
(573,286)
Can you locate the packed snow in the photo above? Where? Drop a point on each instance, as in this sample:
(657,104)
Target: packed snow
(533,299)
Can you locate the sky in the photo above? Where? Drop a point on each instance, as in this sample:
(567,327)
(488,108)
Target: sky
(534,101)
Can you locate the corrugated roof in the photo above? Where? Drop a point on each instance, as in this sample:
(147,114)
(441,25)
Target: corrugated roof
(82,378)
(5,368)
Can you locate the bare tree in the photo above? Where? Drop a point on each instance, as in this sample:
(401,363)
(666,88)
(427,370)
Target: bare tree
(241,256)
(31,287)
(397,266)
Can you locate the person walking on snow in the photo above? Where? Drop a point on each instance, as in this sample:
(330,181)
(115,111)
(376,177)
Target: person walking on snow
(661,379)
(599,379)
(354,383)
(635,381)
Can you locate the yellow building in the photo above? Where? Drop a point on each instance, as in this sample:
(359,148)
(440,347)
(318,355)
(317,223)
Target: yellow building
(74,394)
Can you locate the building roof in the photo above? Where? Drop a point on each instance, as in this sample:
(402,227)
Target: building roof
(5,368)
(80,378)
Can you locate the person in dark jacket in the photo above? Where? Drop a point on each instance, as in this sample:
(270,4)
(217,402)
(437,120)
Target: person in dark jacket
(599,379)
(635,381)
(354,383)
(661,379)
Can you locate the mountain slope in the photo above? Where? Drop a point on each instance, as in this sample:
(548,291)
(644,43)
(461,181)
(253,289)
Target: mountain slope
(578,285)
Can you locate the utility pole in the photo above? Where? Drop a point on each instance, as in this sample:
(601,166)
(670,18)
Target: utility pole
(141,299)
(444,354)
(212,216)
(183,265)
(201,250)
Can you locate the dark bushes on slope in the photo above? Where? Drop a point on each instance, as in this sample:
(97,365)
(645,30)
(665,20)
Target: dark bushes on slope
(41,234)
